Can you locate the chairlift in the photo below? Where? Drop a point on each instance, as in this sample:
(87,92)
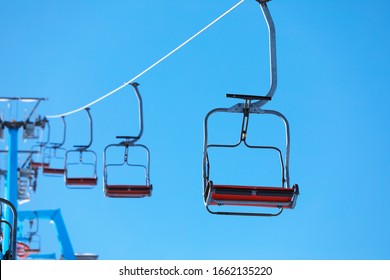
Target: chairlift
(243,197)
(38,149)
(82,151)
(54,156)
(129,144)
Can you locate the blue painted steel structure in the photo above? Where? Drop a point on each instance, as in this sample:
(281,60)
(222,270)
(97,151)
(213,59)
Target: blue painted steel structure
(54,216)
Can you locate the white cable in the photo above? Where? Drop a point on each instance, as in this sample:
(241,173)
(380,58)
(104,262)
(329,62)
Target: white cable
(150,67)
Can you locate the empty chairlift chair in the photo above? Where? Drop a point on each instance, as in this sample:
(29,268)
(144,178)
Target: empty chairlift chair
(281,197)
(244,197)
(81,160)
(128,189)
(54,156)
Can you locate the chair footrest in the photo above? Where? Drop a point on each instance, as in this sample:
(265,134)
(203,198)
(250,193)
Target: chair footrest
(247,96)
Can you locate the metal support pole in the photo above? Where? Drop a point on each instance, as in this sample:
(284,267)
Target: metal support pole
(11,184)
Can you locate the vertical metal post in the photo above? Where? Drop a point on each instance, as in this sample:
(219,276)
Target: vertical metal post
(11,184)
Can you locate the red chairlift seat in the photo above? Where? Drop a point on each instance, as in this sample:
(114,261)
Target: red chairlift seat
(254,196)
(128,191)
(81,181)
(47,170)
(36,164)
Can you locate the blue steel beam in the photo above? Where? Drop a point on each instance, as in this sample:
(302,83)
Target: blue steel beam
(54,216)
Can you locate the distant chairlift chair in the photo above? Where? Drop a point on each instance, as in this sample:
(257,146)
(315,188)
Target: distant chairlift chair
(128,190)
(38,149)
(89,181)
(54,156)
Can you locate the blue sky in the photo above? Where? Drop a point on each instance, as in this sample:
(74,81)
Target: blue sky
(333,84)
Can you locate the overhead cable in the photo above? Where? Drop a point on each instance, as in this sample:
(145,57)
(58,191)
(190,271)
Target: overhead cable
(150,67)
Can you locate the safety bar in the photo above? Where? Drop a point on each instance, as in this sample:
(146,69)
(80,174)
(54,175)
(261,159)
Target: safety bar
(126,145)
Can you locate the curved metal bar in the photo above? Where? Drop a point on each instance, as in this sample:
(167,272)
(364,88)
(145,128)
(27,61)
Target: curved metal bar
(43,144)
(15,225)
(84,147)
(140,110)
(59,145)
(272,50)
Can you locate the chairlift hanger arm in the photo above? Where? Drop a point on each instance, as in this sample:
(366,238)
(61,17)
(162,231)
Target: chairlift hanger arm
(59,145)
(272,51)
(140,109)
(129,140)
(43,144)
(84,147)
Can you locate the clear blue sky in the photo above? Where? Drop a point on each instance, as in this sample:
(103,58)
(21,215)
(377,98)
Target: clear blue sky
(333,87)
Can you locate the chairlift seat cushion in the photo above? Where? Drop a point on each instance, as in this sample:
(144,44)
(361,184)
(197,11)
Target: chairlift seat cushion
(81,181)
(54,171)
(37,164)
(128,191)
(252,196)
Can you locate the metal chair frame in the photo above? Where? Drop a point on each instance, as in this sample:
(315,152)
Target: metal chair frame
(130,142)
(252,105)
